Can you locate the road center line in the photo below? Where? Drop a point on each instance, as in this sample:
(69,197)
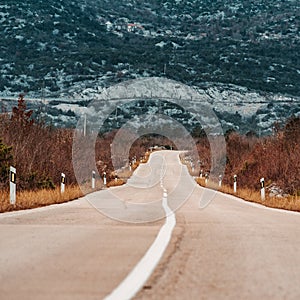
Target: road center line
(143,270)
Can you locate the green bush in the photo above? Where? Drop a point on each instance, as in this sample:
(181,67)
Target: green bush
(5,162)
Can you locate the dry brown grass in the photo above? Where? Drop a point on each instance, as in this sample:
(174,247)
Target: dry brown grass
(39,198)
(33,199)
(116,182)
(289,203)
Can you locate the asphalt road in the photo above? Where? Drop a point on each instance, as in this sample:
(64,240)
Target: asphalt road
(81,250)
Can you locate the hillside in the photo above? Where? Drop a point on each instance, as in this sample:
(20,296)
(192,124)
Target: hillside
(69,50)
(249,44)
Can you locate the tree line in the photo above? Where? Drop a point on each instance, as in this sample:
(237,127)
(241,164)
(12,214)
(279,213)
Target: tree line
(41,152)
(274,157)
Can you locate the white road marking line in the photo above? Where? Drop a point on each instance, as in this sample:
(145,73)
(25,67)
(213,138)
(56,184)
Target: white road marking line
(143,270)
(22,212)
(257,205)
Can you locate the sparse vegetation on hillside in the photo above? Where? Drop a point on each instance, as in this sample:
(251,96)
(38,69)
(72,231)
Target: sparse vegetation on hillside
(58,44)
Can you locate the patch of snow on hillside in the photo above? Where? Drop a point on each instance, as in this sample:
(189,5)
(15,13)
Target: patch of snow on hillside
(161,44)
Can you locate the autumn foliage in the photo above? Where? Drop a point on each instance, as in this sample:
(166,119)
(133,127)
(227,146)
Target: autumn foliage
(40,153)
(276,158)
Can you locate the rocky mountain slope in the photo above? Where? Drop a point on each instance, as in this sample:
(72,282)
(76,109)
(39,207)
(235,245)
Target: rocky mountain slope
(244,55)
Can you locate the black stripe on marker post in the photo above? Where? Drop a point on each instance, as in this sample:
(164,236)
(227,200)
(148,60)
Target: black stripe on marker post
(12,177)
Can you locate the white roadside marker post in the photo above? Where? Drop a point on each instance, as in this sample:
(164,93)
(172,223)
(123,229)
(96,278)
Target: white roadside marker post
(62,183)
(104,178)
(12,185)
(93,179)
(220,180)
(262,189)
(206,179)
(201,173)
(234,183)
(84,125)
